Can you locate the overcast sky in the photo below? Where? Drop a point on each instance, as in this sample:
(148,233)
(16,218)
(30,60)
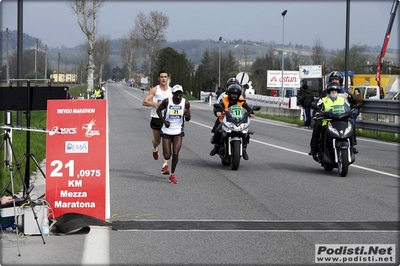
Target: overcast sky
(55,25)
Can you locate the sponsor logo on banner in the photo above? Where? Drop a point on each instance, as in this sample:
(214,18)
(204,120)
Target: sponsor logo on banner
(76,147)
(289,79)
(56,130)
(62,111)
(314,71)
(89,131)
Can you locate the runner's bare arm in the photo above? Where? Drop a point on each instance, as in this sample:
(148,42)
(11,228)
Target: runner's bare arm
(187,111)
(147,101)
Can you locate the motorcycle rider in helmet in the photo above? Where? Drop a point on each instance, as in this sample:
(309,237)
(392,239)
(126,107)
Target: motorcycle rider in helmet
(229,82)
(336,76)
(233,97)
(333,77)
(326,103)
(222,95)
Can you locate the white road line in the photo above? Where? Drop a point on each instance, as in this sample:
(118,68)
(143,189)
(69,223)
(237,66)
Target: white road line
(272,231)
(352,165)
(96,250)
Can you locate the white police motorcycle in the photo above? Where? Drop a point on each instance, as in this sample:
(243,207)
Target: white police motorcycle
(235,130)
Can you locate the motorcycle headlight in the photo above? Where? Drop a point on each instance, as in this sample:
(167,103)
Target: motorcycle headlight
(332,129)
(241,127)
(349,129)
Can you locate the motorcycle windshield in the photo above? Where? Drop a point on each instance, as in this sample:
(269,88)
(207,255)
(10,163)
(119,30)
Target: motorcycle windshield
(340,107)
(235,114)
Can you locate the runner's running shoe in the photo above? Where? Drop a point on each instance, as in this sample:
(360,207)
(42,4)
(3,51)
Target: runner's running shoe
(155,154)
(165,170)
(172,179)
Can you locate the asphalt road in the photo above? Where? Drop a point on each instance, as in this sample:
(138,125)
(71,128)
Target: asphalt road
(272,211)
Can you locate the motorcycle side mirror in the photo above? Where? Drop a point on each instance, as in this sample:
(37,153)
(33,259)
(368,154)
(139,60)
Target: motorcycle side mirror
(256,108)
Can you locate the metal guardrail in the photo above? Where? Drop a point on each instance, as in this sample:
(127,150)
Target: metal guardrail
(389,109)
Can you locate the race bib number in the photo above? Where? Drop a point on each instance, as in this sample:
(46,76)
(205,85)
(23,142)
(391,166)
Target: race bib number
(236,111)
(175,112)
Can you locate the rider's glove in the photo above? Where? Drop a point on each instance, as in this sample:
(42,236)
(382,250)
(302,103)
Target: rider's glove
(318,116)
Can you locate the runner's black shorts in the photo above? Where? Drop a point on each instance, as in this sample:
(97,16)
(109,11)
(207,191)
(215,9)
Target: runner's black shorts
(166,136)
(156,123)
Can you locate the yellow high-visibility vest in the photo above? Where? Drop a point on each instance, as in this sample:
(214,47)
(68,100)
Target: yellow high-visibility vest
(329,104)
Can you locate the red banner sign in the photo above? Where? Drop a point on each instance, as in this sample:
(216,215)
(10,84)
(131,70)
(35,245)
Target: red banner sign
(76,157)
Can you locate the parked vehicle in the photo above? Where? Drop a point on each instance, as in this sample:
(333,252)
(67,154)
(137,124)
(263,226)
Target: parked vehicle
(393,93)
(335,149)
(370,92)
(235,130)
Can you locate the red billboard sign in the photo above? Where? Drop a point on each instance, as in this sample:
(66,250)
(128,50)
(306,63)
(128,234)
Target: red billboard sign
(76,161)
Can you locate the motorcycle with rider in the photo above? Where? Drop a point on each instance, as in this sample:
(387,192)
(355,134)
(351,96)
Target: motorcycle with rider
(231,134)
(337,133)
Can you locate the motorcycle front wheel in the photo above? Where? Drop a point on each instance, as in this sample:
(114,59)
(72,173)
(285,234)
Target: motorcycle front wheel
(235,145)
(343,162)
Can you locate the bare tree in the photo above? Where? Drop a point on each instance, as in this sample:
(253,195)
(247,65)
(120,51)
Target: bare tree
(272,59)
(129,46)
(102,51)
(357,59)
(207,71)
(245,56)
(86,12)
(295,60)
(259,69)
(317,56)
(150,30)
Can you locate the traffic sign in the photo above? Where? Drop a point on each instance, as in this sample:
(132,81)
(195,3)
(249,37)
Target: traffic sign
(243,78)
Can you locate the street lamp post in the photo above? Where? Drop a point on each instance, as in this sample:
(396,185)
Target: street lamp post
(219,64)
(58,69)
(283,34)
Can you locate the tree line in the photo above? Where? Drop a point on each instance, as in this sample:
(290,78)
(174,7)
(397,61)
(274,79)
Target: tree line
(142,52)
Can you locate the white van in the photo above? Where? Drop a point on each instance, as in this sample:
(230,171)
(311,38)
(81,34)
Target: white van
(370,92)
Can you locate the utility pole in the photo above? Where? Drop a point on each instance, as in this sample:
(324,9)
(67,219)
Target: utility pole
(65,72)
(8,114)
(20,52)
(45,64)
(58,69)
(8,62)
(283,61)
(219,63)
(36,53)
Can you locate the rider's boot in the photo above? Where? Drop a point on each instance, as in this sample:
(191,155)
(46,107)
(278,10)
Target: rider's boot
(215,150)
(313,151)
(245,155)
